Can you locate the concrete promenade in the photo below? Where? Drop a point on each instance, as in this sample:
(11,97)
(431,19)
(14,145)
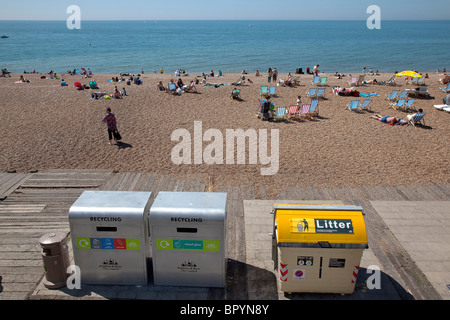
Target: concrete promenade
(407,229)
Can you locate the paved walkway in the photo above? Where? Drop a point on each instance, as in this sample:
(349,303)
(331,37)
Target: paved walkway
(406,225)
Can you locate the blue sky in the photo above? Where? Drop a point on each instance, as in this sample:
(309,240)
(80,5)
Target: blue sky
(225,9)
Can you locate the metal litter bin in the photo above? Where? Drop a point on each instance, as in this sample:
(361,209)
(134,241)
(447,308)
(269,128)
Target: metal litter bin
(55,257)
(188,239)
(318,248)
(110,236)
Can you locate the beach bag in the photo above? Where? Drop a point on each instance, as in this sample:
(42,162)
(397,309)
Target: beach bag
(117,135)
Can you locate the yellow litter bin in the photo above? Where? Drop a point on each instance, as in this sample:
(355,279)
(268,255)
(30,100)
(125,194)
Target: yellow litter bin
(318,248)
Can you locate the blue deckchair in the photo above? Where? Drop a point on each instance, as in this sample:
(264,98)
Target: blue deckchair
(280,113)
(402,95)
(354,105)
(446,89)
(272,91)
(417,118)
(399,104)
(421,81)
(320,93)
(393,95)
(365,104)
(311,92)
(409,103)
(172,88)
(314,109)
(316,80)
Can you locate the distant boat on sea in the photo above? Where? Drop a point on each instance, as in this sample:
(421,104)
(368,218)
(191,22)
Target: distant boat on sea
(4,37)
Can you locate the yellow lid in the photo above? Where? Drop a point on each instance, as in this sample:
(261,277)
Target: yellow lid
(332,224)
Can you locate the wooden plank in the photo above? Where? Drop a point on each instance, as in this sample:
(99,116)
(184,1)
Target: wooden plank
(18,208)
(9,186)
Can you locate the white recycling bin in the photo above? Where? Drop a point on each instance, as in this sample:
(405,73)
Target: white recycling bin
(109,232)
(188,239)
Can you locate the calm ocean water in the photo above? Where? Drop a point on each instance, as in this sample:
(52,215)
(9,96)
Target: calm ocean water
(231,46)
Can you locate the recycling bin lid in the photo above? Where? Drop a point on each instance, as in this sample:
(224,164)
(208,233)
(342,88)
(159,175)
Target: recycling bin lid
(207,207)
(110,203)
(326,226)
(52,239)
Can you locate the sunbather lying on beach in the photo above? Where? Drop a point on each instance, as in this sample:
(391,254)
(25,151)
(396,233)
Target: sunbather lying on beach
(97,95)
(22,79)
(389,120)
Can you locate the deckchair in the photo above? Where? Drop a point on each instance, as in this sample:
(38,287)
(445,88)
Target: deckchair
(304,111)
(320,93)
(261,102)
(446,89)
(316,80)
(421,81)
(172,88)
(390,82)
(413,81)
(235,94)
(365,104)
(399,104)
(292,111)
(353,81)
(190,88)
(311,93)
(314,109)
(360,81)
(423,91)
(264,90)
(417,118)
(280,113)
(408,104)
(402,95)
(323,81)
(393,95)
(272,91)
(354,105)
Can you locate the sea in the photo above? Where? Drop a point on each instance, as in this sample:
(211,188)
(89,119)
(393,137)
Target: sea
(229,46)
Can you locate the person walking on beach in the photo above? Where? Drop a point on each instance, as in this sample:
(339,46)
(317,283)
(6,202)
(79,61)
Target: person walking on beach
(316,70)
(269,75)
(274,75)
(111,123)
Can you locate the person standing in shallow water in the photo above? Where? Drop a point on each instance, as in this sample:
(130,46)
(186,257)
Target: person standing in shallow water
(111,123)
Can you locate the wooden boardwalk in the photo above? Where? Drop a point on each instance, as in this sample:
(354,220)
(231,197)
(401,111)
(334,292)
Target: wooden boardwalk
(36,203)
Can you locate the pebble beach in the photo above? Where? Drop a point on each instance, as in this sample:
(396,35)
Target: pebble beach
(46,126)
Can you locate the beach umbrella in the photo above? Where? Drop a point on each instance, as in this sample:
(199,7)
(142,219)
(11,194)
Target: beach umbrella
(408,73)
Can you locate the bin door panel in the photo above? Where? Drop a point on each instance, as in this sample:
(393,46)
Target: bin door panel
(186,268)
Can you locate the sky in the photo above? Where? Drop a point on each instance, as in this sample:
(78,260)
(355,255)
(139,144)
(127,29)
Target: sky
(225,9)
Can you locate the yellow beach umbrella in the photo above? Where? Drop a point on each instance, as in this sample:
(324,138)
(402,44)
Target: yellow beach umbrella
(408,73)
